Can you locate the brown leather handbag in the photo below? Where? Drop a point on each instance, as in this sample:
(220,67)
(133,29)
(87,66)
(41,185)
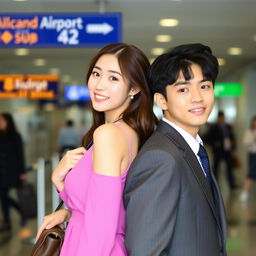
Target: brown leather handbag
(50,241)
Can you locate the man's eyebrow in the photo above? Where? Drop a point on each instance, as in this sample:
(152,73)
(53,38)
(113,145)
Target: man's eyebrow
(181,83)
(188,83)
(206,80)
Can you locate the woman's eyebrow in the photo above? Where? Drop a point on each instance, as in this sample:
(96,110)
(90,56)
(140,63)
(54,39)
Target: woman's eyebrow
(115,72)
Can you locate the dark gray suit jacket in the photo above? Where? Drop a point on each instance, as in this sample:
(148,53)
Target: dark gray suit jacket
(170,208)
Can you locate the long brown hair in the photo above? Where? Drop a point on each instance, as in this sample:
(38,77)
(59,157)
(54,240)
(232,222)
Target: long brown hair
(139,114)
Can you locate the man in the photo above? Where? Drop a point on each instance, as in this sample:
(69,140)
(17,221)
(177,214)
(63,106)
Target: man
(222,140)
(173,204)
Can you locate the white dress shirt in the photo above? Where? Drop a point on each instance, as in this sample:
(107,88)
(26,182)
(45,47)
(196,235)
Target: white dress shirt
(192,142)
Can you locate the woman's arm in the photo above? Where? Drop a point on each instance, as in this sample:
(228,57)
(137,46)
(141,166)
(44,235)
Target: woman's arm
(68,161)
(105,191)
(110,149)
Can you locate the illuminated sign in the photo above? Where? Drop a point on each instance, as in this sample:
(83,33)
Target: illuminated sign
(29,86)
(59,30)
(76,92)
(222,90)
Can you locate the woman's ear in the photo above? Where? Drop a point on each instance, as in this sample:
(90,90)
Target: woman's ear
(134,91)
(160,100)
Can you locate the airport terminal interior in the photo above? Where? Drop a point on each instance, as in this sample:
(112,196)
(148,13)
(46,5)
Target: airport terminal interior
(45,49)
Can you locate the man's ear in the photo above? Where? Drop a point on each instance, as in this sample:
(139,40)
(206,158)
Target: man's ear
(134,91)
(160,101)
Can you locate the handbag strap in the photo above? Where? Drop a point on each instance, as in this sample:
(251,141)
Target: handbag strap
(61,202)
(59,206)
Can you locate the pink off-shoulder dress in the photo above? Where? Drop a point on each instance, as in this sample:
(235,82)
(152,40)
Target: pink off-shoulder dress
(97,225)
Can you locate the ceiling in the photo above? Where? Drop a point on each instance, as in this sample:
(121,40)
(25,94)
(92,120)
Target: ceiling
(218,23)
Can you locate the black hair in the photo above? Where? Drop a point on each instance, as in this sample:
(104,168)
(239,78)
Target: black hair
(166,69)
(69,123)
(11,127)
(221,114)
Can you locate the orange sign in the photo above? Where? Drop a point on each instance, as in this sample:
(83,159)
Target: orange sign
(29,86)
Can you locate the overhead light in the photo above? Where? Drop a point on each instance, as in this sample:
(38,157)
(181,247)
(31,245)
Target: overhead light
(235,51)
(157,51)
(39,62)
(21,51)
(163,38)
(221,61)
(169,22)
(19,0)
(54,71)
(254,38)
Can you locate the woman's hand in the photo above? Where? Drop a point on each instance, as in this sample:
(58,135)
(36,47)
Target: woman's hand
(53,219)
(68,161)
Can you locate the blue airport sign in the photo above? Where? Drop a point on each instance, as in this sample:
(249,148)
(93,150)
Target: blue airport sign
(76,92)
(60,29)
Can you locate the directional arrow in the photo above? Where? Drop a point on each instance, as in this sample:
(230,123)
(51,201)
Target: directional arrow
(101,28)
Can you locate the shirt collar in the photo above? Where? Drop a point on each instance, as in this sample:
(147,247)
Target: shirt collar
(192,142)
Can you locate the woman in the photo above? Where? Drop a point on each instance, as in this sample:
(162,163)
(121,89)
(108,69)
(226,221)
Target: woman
(122,120)
(250,143)
(12,167)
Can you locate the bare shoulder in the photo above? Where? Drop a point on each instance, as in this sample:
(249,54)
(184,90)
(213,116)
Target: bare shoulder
(109,150)
(108,133)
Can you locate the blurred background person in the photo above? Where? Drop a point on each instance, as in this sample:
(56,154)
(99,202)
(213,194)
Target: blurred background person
(250,143)
(84,127)
(12,168)
(69,137)
(222,140)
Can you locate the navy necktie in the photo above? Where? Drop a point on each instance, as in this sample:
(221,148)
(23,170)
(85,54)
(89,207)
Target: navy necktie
(205,163)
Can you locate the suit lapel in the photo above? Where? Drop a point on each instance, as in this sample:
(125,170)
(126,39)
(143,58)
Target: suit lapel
(192,161)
